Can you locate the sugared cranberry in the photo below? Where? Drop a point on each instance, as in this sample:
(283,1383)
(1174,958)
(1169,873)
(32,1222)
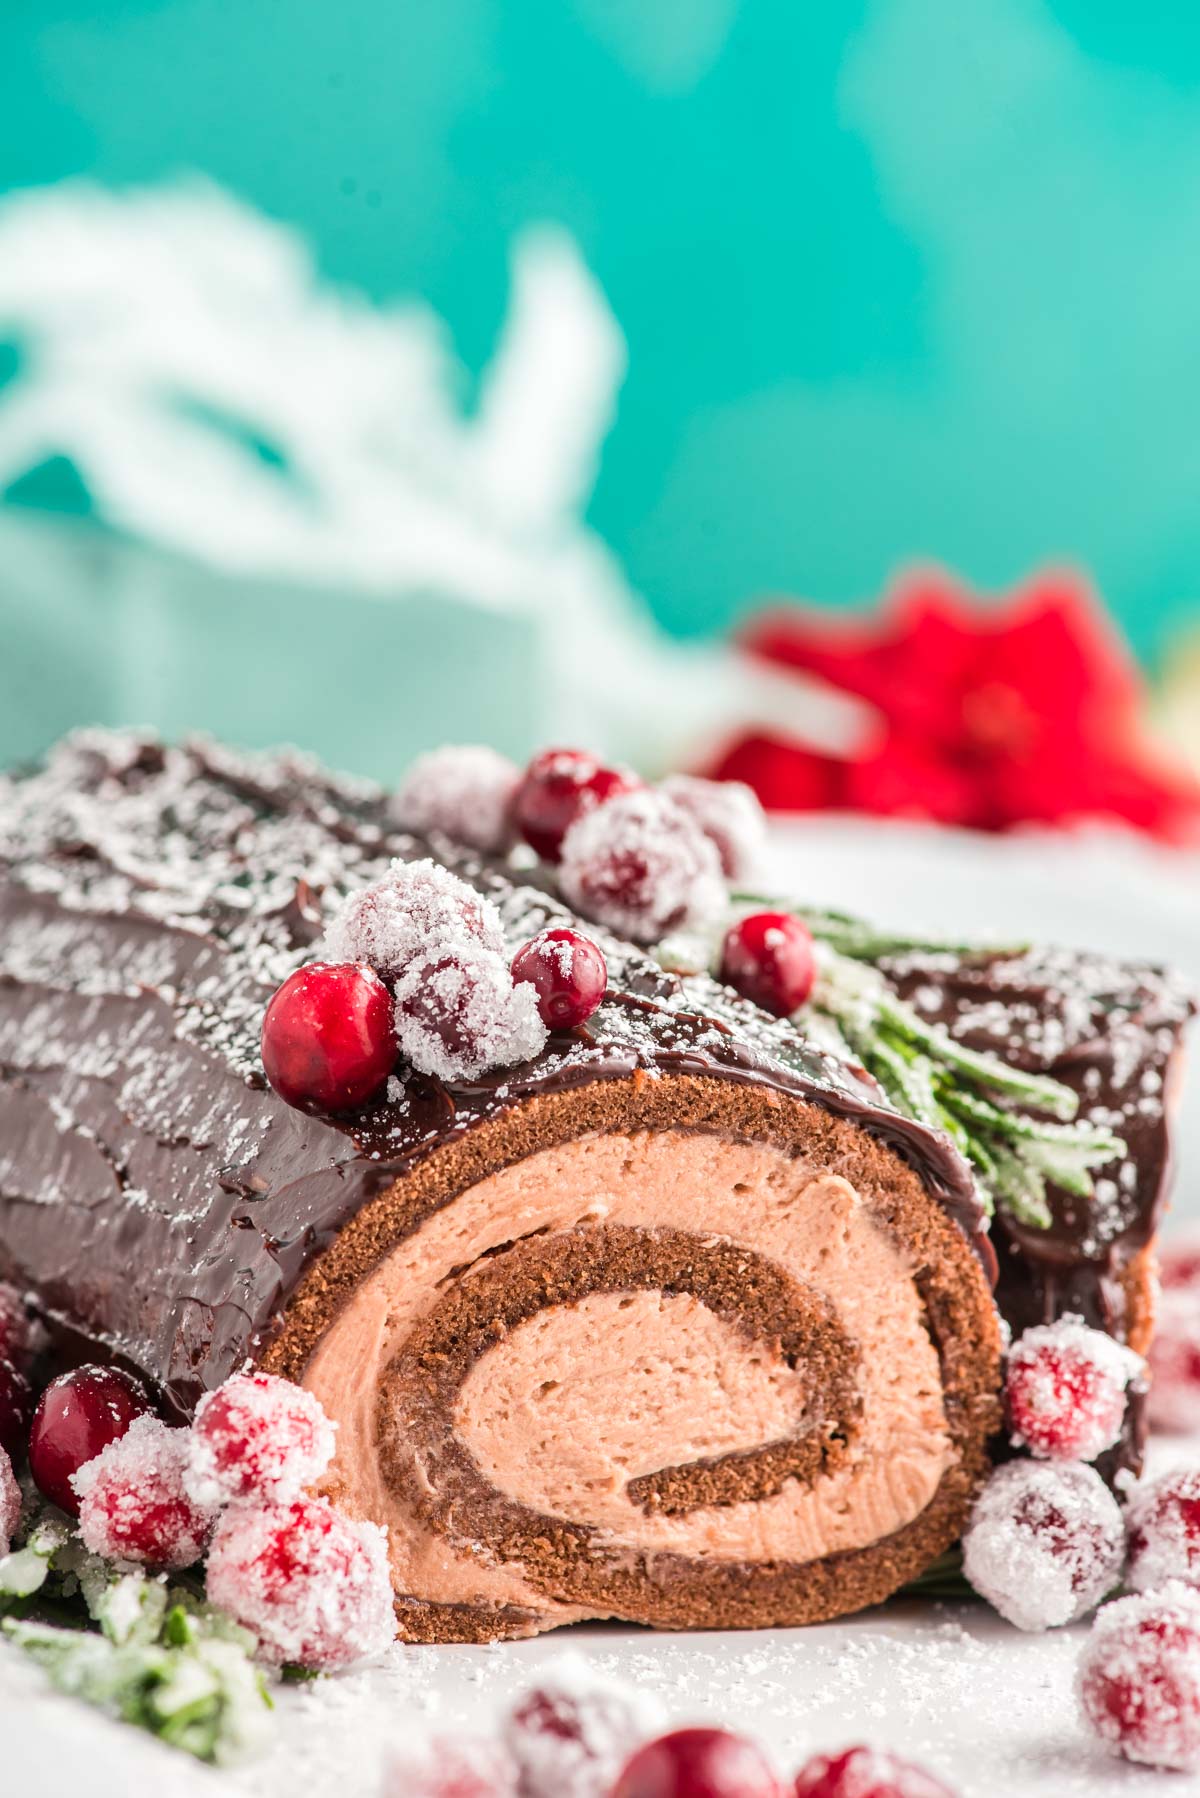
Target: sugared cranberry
(866,1773)
(77,1417)
(14,1326)
(1162,1520)
(133,1505)
(1045,1543)
(731,816)
(698,1763)
(768,958)
(1179,1263)
(1175,1361)
(10,1503)
(258,1436)
(311,1583)
(464,790)
(16,1404)
(327,1037)
(1139,1678)
(462,1767)
(568,973)
(416,908)
(558,787)
(459,1013)
(575,1731)
(643,867)
(1064,1390)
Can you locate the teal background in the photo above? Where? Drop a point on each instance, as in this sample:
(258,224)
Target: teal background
(899,278)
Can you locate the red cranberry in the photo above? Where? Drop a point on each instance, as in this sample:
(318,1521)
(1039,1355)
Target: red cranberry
(1064,1390)
(568,973)
(77,1416)
(327,1037)
(16,1403)
(768,959)
(698,1763)
(866,1773)
(557,787)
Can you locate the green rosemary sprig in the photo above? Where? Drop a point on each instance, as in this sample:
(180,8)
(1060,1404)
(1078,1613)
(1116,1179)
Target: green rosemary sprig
(147,1651)
(1019,1131)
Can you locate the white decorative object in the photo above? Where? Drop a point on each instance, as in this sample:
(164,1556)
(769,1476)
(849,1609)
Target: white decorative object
(222,402)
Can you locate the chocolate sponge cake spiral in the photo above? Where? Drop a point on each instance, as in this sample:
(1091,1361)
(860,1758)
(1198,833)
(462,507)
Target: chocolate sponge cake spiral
(678,1321)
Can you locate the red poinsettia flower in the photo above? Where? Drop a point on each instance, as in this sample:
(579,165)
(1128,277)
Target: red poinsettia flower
(986,715)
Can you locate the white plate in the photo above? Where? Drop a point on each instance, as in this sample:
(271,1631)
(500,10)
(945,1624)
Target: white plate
(989,1709)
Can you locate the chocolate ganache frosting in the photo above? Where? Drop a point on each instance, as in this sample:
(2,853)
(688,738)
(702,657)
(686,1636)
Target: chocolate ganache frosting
(158,1201)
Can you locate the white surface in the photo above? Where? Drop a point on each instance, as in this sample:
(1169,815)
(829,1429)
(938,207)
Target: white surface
(989,1709)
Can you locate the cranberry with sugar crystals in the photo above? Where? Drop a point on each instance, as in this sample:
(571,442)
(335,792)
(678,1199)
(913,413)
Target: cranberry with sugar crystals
(1162,1521)
(133,1505)
(458,1013)
(16,1404)
(310,1582)
(1139,1678)
(258,1436)
(14,1326)
(412,910)
(866,1773)
(463,790)
(731,816)
(768,958)
(575,1731)
(559,786)
(1175,1360)
(77,1417)
(568,973)
(1064,1390)
(1045,1542)
(327,1037)
(698,1763)
(10,1503)
(642,866)
(445,1767)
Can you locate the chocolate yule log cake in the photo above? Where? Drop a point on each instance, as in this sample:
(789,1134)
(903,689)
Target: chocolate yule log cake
(657,1306)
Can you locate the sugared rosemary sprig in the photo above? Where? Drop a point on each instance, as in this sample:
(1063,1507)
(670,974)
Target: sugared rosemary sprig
(147,1651)
(1019,1131)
